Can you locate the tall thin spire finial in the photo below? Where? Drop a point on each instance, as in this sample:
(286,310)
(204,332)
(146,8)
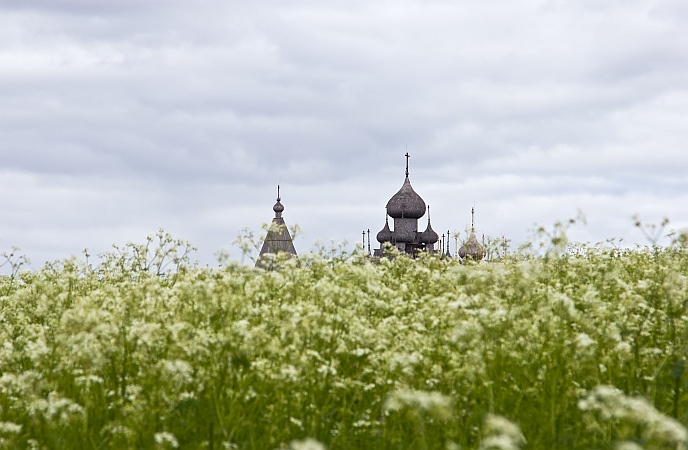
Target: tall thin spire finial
(407,158)
(363,239)
(428,214)
(278,207)
(369,241)
(473,218)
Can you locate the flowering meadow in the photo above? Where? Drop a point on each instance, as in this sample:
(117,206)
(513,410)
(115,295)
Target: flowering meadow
(585,350)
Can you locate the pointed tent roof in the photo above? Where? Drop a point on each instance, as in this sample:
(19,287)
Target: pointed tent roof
(472,248)
(278,238)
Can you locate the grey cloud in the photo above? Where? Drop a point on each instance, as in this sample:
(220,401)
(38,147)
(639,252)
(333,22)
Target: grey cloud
(186,115)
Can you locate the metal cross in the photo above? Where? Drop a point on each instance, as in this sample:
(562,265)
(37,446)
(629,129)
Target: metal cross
(407,158)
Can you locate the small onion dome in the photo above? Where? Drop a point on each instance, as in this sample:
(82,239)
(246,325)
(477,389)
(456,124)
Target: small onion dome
(429,236)
(406,203)
(385,235)
(472,249)
(278,208)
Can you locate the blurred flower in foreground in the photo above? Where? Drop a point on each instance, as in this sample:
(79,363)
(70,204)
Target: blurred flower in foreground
(434,403)
(500,433)
(307,444)
(611,404)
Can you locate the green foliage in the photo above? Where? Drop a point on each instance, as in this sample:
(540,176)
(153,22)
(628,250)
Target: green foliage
(578,349)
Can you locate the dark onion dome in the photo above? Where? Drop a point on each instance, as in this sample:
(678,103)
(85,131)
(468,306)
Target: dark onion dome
(406,203)
(278,208)
(472,249)
(385,235)
(429,236)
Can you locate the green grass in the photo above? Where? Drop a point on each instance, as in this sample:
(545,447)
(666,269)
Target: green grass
(404,354)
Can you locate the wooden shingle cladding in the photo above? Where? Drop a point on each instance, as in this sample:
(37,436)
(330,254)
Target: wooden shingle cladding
(278,239)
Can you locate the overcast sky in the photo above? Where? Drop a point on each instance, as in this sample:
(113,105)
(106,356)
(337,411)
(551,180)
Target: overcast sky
(121,117)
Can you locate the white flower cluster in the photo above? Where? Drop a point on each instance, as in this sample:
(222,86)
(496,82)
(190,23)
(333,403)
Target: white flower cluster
(351,352)
(612,404)
(433,403)
(499,433)
(307,444)
(165,439)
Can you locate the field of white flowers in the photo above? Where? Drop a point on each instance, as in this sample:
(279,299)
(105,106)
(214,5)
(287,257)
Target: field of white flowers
(582,351)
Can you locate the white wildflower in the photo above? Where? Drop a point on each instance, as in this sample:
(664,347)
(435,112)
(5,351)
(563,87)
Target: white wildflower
(307,444)
(184,396)
(434,403)
(289,373)
(10,428)
(132,392)
(406,361)
(467,331)
(623,348)
(120,430)
(327,369)
(179,372)
(165,438)
(612,404)
(145,334)
(500,433)
(55,406)
(627,445)
(88,380)
(566,302)
(360,351)
(584,341)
